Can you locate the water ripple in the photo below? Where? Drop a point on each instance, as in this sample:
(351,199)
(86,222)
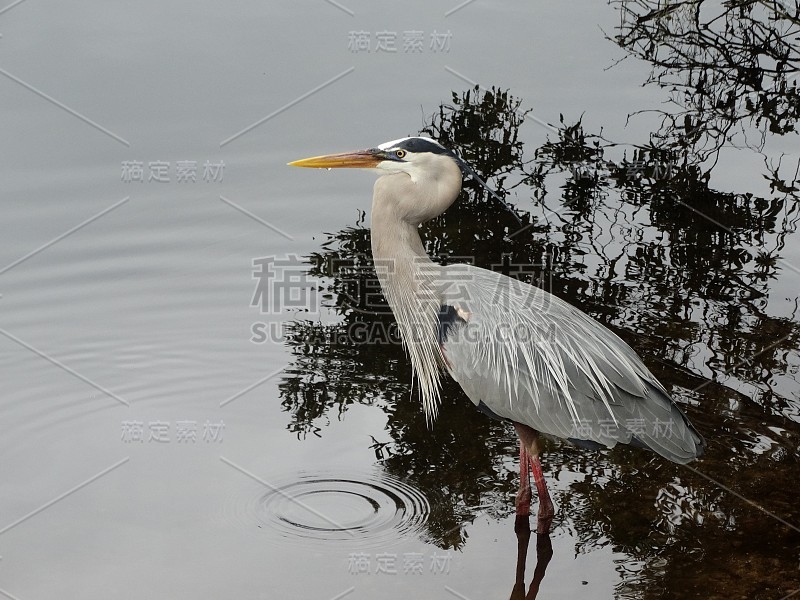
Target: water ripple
(368,509)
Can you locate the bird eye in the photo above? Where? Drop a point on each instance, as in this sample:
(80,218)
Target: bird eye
(399,153)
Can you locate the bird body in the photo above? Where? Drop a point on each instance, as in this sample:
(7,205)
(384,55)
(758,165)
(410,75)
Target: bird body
(519,352)
(532,358)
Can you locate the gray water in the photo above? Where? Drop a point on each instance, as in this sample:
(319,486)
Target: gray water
(146,449)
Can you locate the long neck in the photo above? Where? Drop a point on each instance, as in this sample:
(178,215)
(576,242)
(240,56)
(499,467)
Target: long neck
(408,279)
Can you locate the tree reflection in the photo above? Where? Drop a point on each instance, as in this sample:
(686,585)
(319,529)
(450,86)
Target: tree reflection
(728,66)
(679,270)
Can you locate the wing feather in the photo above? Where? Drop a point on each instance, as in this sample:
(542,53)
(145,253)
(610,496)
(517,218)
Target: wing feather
(535,359)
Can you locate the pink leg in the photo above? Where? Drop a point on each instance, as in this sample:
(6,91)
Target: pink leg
(546,510)
(523,502)
(529,445)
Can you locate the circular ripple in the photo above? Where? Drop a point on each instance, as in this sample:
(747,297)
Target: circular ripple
(367,509)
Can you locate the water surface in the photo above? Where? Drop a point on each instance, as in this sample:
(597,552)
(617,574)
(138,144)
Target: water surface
(153,444)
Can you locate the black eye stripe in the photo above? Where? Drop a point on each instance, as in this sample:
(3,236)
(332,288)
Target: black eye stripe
(422,145)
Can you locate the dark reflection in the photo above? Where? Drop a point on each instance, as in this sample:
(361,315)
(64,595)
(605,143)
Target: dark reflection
(544,552)
(679,270)
(727,66)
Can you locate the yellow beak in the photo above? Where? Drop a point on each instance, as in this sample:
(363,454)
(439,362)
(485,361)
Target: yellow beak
(363,159)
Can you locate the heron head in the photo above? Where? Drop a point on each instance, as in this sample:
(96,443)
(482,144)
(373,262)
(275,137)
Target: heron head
(421,158)
(418,157)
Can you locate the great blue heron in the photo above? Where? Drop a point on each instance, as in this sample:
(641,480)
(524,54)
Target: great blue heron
(520,353)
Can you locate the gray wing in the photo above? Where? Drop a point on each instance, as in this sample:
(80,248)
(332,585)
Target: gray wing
(527,356)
